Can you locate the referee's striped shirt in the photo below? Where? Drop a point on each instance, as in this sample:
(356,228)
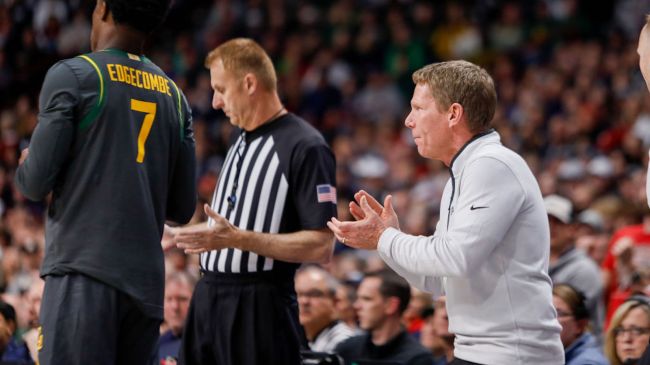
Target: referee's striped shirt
(278,178)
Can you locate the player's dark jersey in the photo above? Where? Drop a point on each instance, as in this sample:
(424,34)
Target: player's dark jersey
(114,145)
(279,178)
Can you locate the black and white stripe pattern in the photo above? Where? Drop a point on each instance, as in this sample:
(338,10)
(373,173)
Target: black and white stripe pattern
(260,199)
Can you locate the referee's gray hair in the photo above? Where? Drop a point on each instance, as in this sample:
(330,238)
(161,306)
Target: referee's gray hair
(331,282)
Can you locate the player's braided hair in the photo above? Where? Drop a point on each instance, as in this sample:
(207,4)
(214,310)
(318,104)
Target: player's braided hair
(143,15)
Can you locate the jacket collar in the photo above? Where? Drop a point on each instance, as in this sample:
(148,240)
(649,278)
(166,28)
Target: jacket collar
(480,139)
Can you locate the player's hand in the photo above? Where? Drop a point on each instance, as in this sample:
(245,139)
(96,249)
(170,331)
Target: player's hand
(23,156)
(201,238)
(372,221)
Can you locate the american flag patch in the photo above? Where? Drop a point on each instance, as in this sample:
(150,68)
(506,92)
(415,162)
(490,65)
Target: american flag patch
(326,193)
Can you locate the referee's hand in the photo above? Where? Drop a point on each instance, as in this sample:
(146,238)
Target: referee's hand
(201,238)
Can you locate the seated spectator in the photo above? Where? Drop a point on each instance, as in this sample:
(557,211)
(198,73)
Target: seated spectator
(629,331)
(179,286)
(12,350)
(412,317)
(435,334)
(381,300)
(627,258)
(316,292)
(580,346)
(34,297)
(346,295)
(568,265)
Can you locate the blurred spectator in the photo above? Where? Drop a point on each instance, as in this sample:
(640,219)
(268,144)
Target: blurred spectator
(179,286)
(435,334)
(34,297)
(382,298)
(346,295)
(627,258)
(13,350)
(580,347)
(591,236)
(412,317)
(316,292)
(570,266)
(628,335)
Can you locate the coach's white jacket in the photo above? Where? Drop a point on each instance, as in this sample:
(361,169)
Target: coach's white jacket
(489,254)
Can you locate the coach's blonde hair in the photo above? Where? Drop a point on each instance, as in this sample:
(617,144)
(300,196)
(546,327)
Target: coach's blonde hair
(243,55)
(464,83)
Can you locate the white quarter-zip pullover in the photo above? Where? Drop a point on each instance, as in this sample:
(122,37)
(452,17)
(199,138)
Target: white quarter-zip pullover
(490,255)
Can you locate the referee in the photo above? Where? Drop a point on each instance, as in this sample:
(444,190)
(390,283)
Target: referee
(269,213)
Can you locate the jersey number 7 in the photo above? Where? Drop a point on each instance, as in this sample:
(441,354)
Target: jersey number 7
(150,113)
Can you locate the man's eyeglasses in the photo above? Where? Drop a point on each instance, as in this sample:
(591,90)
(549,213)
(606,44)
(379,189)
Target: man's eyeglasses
(634,331)
(313,294)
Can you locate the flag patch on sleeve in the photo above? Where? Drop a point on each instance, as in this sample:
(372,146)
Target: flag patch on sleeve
(326,193)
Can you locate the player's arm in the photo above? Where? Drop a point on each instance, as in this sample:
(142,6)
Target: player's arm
(181,201)
(54,133)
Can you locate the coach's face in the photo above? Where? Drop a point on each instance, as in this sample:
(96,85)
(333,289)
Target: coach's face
(229,94)
(644,54)
(429,125)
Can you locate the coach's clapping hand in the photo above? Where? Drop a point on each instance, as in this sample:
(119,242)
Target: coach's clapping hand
(372,220)
(201,238)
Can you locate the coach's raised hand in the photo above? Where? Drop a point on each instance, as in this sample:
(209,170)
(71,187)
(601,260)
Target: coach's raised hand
(372,221)
(203,238)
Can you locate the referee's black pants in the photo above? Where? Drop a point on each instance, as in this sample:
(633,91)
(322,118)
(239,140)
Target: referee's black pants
(242,319)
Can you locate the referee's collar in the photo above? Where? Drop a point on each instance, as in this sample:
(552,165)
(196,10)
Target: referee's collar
(264,128)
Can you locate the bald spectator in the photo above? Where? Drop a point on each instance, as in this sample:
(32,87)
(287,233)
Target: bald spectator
(316,291)
(381,300)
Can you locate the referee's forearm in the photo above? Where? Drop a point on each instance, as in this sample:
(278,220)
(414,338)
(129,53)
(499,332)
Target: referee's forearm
(313,246)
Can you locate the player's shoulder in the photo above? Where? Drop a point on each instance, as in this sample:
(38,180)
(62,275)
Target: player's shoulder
(80,66)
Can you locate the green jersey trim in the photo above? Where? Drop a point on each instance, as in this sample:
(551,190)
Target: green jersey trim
(92,115)
(180,109)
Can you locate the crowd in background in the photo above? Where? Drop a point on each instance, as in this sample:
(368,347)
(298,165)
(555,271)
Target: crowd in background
(571,101)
